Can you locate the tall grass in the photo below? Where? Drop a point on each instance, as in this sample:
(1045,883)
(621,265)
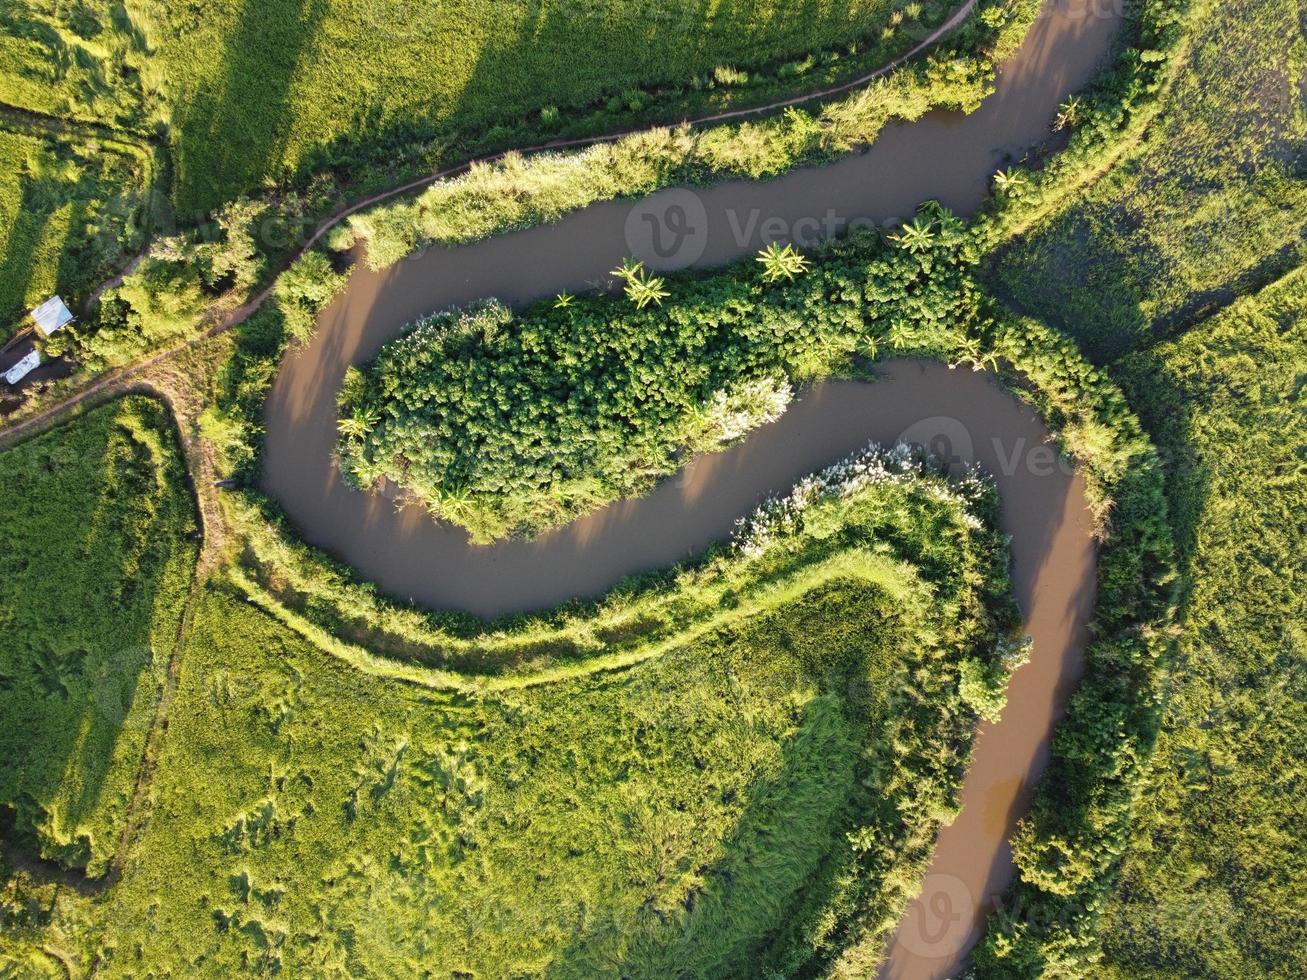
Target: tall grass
(98,552)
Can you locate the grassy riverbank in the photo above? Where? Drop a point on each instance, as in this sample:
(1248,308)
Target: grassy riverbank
(1212,203)
(763,791)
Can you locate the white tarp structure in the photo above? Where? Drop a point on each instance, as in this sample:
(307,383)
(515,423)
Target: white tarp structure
(23,368)
(51,315)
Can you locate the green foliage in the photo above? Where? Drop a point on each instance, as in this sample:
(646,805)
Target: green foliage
(1213,200)
(262,92)
(1214,882)
(1067,848)
(234,423)
(170,295)
(510,423)
(515,192)
(754,797)
(641,287)
(781,263)
(69,212)
(97,529)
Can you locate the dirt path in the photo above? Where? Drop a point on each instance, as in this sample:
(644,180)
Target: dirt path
(943,156)
(118,378)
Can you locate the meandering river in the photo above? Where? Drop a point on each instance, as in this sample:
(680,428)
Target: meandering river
(944,156)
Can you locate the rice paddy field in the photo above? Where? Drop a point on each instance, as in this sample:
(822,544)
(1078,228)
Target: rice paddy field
(98,530)
(252,94)
(1181,270)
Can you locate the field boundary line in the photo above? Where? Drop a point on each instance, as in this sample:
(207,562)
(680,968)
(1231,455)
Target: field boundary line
(11,434)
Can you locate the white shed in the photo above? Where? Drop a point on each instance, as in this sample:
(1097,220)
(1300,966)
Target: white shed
(51,315)
(23,368)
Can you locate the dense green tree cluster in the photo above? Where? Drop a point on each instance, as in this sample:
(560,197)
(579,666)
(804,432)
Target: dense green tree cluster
(173,291)
(512,423)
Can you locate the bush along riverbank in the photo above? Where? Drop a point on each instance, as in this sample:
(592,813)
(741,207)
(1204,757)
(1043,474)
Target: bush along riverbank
(517,192)
(858,300)
(198,278)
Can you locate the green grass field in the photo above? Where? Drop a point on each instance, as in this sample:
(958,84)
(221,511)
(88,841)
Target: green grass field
(736,769)
(758,794)
(254,93)
(262,91)
(72,61)
(1210,207)
(70,211)
(1213,202)
(97,558)
(1216,882)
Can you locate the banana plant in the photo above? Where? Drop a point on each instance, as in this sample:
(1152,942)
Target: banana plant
(641,288)
(781,263)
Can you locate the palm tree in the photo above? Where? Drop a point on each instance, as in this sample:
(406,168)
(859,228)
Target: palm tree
(974,354)
(916,235)
(1068,114)
(563,300)
(367,472)
(900,335)
(781,263)
(1010,182)
(454,503)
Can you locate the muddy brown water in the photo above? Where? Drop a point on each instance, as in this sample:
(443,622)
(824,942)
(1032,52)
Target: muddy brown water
(943,156)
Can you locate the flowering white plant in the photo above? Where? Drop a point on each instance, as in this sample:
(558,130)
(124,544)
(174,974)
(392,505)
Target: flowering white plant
(781,517)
